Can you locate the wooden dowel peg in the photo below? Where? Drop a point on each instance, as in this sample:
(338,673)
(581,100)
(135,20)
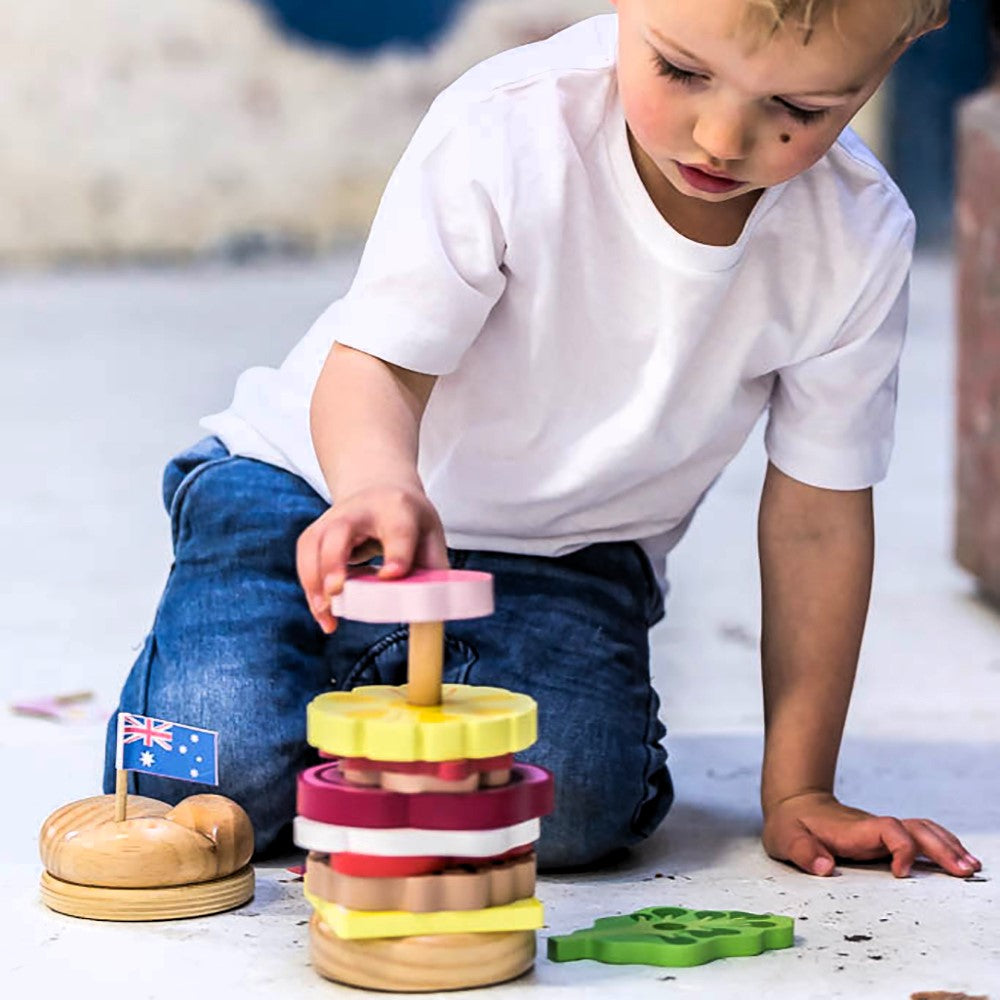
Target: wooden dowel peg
(121,795)
(424,599)
(425,662)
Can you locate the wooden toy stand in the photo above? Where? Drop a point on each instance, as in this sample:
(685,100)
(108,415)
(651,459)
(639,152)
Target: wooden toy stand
(421,826)
(153,862)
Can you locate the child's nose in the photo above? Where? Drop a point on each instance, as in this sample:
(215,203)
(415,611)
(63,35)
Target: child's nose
(722,133)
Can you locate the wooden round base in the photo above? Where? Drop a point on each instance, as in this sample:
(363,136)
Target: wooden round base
(167,903)
(421,964)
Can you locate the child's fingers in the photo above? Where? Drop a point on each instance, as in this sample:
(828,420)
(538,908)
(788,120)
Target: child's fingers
(390,523)
(326,621)
(899,844)
(338,542)
(942,847)
(399,544)
(808,852)
(950,839)
(321,560)
(307,564)
(432,550)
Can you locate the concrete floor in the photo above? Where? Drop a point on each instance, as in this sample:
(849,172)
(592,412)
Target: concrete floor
(104,376)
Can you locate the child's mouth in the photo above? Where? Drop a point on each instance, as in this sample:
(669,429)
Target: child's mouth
(710,183)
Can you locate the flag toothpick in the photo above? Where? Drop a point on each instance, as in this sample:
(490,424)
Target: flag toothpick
(166,749)
(121,795)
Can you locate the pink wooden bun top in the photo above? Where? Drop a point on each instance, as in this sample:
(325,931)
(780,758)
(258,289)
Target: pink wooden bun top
(324,795)
(426,595)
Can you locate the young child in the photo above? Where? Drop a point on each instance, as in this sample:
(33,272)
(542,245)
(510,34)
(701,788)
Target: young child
(601,259)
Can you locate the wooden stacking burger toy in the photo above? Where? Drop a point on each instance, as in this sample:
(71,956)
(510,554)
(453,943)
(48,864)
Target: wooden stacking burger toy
(420,827)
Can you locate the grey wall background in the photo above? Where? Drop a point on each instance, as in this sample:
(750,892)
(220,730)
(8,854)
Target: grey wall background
(167,132)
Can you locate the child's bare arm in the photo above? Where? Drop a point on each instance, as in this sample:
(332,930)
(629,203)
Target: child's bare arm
(816,552)
(365,420)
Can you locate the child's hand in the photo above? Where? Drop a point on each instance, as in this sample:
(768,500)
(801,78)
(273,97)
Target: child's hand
(811,829)
(399,522)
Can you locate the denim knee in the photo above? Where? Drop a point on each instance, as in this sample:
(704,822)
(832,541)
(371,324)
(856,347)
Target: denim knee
(572,632)
(603,807)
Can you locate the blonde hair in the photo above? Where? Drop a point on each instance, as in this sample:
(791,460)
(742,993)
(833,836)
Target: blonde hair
(917,16)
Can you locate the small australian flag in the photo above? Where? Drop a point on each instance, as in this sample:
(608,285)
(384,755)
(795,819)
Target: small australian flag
(168,749)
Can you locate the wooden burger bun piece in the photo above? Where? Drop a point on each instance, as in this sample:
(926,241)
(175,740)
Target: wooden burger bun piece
(423,964)
(159,862)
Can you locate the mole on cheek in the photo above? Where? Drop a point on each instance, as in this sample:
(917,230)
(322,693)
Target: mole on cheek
(785,137)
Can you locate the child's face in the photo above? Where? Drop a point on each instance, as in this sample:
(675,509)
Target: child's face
(699,94)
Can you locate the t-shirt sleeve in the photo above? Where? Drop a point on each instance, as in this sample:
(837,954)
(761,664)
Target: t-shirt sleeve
(832,415)
(431,269)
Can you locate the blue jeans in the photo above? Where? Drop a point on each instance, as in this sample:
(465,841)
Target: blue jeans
(233,648)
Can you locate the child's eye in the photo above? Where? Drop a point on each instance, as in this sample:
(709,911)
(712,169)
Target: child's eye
(807,116)
(672,72)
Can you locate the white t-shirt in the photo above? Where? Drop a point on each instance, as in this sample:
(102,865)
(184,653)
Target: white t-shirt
(597,369)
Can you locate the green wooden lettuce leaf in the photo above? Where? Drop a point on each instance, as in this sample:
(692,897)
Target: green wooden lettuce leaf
(674,936)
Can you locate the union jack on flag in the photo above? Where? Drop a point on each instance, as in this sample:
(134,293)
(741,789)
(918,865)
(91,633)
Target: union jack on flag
(167,749)
(152,732)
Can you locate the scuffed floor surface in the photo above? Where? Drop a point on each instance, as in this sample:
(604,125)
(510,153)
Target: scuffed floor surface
(104,377)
